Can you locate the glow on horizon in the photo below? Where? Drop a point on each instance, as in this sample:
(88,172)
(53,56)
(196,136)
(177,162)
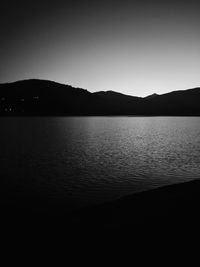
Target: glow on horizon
(133,49)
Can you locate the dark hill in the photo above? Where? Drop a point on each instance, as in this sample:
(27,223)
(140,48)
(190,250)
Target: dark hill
(149,97)
(41,97)
(183,103)
(120,104)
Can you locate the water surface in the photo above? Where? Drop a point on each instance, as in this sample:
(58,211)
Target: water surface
(84,160)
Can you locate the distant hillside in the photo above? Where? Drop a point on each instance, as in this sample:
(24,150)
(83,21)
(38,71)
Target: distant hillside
(183,103)
(41,97)
(149,97)
(117,103)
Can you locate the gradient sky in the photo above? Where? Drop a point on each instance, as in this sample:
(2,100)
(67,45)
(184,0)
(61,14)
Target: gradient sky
(134,47)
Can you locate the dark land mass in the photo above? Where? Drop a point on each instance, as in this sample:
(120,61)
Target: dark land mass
(160,222)
(47,98)
(168,206)
(163,220)
(162,209)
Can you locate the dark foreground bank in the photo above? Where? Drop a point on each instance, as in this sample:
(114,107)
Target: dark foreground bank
(170,206)
(163,220)
(174,205)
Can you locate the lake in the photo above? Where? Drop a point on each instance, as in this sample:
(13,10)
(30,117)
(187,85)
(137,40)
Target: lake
(79,161)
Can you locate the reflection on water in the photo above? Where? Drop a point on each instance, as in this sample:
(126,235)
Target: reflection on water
(84,160)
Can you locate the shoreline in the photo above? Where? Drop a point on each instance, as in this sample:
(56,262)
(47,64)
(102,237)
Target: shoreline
(164,213)
(136,206)
(166,205)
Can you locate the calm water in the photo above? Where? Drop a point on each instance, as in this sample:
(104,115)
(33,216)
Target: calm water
(84,160)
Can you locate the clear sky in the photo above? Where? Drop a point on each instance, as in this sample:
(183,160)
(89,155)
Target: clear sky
(134,47)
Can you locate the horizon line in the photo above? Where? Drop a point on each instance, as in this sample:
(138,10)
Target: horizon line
(109,90)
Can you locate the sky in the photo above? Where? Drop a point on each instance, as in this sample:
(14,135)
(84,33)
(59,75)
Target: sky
(133,47)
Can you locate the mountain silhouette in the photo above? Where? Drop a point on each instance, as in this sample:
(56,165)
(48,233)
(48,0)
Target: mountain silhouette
(42,97)
(180,103)
(149,97)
